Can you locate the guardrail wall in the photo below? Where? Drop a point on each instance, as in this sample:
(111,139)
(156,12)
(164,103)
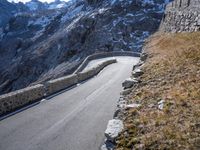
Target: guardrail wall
(104,55)
(19,98)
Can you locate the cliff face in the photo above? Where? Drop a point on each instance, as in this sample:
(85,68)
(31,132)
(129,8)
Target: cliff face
(182,15)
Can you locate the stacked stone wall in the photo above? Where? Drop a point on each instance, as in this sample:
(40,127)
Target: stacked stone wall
(19,98)
(181,16)
(16,99)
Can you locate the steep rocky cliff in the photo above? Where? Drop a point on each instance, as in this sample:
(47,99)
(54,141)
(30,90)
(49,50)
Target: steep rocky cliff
(38,45)
(182,15)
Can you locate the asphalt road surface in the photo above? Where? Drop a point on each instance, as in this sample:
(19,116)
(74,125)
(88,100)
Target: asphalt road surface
(73,120)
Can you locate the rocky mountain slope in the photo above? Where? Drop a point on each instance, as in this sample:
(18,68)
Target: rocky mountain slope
(7,10)
(41,44)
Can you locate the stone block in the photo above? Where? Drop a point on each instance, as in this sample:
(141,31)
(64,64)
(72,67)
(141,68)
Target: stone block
(114,127)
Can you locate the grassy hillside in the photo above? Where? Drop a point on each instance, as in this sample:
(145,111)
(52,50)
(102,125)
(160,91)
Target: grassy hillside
(172,74)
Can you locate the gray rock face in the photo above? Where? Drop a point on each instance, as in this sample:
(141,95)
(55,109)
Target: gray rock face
(182,15)
(36,46)
(114,127)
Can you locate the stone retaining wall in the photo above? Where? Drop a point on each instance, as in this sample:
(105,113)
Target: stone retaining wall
(59,84)
(56,85)
(90,73)
(104,55)
(19,98)
(181,15)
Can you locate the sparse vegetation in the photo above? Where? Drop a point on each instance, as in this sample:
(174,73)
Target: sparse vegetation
(172,74)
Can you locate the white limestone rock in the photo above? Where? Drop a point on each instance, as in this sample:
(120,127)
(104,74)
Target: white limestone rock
(161,104)
(134,105)
(114,127)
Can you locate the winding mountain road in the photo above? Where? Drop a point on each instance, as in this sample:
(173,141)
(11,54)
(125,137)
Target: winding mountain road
(74,119)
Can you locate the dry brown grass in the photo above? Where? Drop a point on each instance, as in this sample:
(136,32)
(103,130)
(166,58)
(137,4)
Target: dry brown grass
(172,73)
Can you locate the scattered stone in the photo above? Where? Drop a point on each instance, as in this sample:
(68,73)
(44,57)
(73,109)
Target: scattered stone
(137,72)
(126,91)
(114,127)
(139,64)
(161,104)
(116,114)
(108,145)
(121,104)
(128,83)
(139,146)
(134,105)
(151,105)
(143,56)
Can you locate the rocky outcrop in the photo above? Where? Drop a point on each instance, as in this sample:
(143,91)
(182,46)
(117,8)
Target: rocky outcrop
(182,15)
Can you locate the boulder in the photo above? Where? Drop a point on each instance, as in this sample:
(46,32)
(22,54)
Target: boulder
(139,64)
(137,72)
(108,145)
(143,56)
(128,83)
(126,91)
(121,104)
(114,127)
